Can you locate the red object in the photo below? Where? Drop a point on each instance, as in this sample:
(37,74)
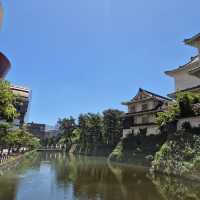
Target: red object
(4,65)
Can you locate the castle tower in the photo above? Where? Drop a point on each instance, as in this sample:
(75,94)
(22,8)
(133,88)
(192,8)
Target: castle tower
(187,76)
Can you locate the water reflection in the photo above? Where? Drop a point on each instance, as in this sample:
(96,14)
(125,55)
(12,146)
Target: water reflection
(56,176)
(172,188)
(95,179)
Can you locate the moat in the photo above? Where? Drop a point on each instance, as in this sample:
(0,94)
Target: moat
(57,176)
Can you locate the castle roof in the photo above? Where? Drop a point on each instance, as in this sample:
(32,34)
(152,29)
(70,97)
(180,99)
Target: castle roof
(141,93)
(193,60)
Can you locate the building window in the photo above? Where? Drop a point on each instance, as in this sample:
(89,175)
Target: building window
(128,122)
(145,119)
(143,131)
(132,109)
(144,106)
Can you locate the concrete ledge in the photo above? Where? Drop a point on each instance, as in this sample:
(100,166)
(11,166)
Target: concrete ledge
(13,162)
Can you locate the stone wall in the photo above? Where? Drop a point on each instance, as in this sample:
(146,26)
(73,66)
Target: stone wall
(92,150)
(138,149)
(151,130)
(194,122)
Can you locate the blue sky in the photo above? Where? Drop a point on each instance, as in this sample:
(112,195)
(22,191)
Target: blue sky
(82,56)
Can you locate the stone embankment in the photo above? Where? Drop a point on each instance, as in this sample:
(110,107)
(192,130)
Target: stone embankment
(12,162)
(92,150)
(174,153)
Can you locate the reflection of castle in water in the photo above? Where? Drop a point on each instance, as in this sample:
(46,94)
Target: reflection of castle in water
(94,179)
(90,178)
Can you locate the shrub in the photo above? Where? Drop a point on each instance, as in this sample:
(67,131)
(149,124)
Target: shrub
(182,107)
(179,155)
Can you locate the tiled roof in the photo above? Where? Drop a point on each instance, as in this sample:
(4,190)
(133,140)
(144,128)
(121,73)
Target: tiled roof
(192,60)
(151,94)
(190,40)
(156,95)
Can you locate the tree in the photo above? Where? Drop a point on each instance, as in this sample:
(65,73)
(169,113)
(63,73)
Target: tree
(66,127)
(185,101)
(95,125)
(7,99)
(20,138)
(182,107)
(113,126)
(83,127)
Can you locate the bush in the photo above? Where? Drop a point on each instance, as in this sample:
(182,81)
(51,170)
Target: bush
(182,107)
(179,155)
(118,151)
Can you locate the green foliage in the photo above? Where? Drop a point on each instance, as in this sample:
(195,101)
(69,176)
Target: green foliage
(117,153)
(185,101)
(172,188)
(7,100)
(169,115)
(182,107)
(76,135)
(179,155)
(17,138)
(66,127)
(164,152)
(112,126)
(83,128)
(92,128)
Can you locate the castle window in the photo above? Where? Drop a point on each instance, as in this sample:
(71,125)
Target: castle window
(132,109)
(145,119)
(144,106)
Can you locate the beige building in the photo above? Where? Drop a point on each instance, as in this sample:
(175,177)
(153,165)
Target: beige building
(142,109)
(23,94)
(22,103)
(187,77)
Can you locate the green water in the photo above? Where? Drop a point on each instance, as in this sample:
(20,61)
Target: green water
(56,176)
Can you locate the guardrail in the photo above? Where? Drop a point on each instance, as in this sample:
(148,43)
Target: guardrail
(51,149)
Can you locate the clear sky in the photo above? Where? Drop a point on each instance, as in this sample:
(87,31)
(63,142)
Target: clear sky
(82,56)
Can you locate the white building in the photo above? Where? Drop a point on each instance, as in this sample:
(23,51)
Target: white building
(142,109)
(187,77)
(22,104)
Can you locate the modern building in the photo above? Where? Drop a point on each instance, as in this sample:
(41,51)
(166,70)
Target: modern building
(38,130)
(4,62)
(23,94)
(142,110)
(23,100)
(4,65)
(187,77)
(51,131)
(42,131)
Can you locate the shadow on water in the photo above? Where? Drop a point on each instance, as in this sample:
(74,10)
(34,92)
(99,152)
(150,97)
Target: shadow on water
(88,178)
